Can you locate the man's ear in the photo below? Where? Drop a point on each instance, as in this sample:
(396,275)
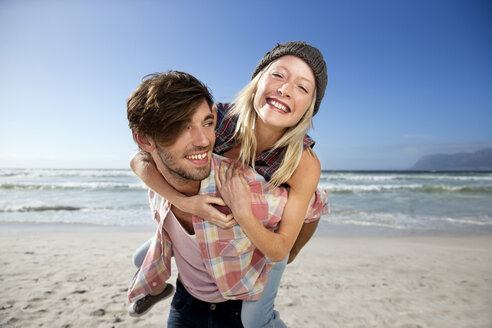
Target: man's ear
(144,142)
(214,111)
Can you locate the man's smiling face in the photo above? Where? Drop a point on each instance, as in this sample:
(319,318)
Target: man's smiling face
(189,157)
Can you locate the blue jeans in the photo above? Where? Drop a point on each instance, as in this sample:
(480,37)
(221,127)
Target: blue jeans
(188,311)
(261,313)
(140,253)
(254,314)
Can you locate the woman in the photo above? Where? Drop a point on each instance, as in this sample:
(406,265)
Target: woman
(265,128)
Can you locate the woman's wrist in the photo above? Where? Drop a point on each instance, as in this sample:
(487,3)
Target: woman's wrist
(181,202)
(244,217)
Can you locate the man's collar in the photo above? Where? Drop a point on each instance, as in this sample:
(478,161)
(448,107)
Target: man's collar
(207,185)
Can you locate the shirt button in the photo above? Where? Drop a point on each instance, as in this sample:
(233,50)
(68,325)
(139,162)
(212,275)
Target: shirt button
(213,307)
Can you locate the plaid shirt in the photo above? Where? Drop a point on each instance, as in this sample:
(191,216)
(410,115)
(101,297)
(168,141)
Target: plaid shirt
(239,269)
(266,163)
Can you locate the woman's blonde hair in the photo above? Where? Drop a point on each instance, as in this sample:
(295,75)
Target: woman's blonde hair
(292,139)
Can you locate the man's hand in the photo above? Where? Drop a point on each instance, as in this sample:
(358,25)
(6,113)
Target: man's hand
(292,255)
(305,234)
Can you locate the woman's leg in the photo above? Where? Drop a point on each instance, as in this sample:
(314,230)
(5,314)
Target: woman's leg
(140,252)
(261,313)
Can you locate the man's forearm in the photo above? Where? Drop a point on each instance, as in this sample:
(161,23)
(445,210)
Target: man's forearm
(305,234)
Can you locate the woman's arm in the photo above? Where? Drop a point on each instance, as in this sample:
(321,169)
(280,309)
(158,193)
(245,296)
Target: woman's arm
(200,205)
(303,183)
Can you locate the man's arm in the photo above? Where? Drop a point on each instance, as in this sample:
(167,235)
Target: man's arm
(201,205)
(305,234)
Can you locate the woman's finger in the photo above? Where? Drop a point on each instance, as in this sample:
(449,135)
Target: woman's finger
(215,200)
(221,171)
(222,174)
(243,179)
(232,223)
(218,216)
(226,222)
(218,184)
(234,171)
(230,170)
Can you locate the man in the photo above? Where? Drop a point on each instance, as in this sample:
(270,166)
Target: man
(172,121)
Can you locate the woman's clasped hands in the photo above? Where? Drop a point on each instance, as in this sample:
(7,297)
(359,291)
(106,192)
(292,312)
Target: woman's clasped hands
(208,208)
(234,190)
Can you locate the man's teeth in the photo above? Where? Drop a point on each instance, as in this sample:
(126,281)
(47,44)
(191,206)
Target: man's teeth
(197,156)
(279,105)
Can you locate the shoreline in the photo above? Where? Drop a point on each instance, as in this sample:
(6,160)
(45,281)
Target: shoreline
(324,229)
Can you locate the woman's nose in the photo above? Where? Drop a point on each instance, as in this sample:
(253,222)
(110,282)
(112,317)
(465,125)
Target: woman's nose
(285,89)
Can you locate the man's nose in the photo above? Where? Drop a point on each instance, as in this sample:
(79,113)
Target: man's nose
(200,138)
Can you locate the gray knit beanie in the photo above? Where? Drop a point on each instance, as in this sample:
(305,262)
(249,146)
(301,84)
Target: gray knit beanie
(311,55)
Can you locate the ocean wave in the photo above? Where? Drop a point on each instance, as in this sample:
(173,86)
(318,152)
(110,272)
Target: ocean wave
(445,178)
(79,223)
(356,177)
(387,176)
(402,220)
(66,173)
(468,221)
(458,189)
(436,189)
(70,186)
(367,224)
(86,208)
(44,208)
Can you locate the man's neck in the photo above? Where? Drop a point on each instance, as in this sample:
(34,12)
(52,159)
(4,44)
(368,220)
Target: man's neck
(184,186)
(187,188)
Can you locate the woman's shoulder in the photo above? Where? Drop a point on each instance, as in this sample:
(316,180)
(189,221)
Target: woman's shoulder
(222,109)
(308,170)
(223,120)
(224,129)
(309,161)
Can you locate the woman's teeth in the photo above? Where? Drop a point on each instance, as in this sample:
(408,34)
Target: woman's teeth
(279,106)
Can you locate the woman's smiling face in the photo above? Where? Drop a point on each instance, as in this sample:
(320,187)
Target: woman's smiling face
(284,92)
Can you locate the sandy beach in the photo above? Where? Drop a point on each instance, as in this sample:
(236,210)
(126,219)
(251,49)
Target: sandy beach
(79,279)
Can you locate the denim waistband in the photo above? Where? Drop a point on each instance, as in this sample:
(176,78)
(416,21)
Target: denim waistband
(199,305)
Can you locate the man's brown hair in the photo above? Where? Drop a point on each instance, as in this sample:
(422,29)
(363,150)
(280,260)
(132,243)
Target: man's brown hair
(163,103)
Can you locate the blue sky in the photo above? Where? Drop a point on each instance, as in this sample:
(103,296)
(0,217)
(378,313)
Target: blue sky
(406,78)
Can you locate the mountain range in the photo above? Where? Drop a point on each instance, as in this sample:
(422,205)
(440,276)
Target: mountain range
(481,160)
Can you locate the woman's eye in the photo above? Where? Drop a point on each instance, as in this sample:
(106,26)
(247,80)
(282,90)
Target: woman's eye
(303,89)
(276,74)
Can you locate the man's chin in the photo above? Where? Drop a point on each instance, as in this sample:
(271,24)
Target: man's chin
(198,174)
